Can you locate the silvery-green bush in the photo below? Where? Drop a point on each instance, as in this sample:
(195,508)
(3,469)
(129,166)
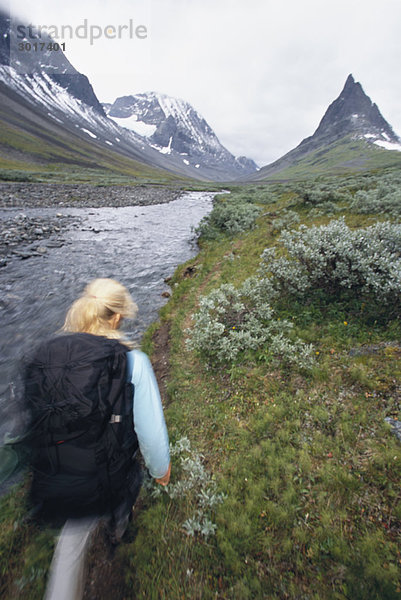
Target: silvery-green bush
(335,259)
(386,198)
(228,216)
(316,194)
(195,486)
(326,208)
(286,220)
(233,320)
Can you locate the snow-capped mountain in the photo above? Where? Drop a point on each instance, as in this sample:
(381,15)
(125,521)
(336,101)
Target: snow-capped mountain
(53,107)
(42,95)
(173,126)
(354,112)
(62,97)
(54,65)
(350,130)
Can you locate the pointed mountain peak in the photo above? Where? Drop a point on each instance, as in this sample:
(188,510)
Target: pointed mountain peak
(350,81)
(353,112)
(353,89)
(350,124)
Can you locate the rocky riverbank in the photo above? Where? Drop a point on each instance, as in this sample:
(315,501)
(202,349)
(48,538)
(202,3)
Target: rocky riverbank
(37,195)
(22,236)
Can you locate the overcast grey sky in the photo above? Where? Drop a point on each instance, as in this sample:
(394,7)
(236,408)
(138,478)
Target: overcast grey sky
(261,72)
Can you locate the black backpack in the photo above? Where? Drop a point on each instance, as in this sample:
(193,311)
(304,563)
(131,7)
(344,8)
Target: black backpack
(81,433)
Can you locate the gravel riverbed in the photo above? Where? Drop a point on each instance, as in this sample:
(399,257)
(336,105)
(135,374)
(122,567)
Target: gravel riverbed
(23,236)
(36,195)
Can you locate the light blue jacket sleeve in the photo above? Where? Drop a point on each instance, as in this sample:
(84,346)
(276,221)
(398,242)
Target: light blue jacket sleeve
(150,426)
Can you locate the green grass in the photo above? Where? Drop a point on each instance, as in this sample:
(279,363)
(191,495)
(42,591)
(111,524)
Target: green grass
(14,171)
(309,469)
(308,465)
(63,157)
(25,549)
(343,157)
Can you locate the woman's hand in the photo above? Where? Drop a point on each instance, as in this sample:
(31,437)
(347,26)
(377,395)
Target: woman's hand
(166,478)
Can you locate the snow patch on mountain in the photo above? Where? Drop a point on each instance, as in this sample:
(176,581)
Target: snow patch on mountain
(89,132)
(388,145)
(163,149)
(132,123)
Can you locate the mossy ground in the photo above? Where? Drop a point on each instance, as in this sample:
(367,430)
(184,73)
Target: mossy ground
(308,465)
(29,155)
(345,156)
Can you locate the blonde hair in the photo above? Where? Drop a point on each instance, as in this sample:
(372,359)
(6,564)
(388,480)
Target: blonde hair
(93,311)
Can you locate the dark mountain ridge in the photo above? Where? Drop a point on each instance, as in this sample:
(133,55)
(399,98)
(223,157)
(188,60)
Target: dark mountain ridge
(172,125)
(352,112)
(351,119)
(54,64)
(64,99)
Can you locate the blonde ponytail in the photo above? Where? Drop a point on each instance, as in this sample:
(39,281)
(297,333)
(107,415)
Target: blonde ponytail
(94,310)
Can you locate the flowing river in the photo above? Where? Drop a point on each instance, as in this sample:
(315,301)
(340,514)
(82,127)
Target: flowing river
(140,246)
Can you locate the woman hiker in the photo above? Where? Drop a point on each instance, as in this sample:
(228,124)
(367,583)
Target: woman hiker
(92,401)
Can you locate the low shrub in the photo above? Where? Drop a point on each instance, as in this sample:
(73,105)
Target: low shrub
(338,262)
(230,217)
(195,487)
(383,199)
(316,194)
(326,208)
(287,220)
(11,175)
(231,321)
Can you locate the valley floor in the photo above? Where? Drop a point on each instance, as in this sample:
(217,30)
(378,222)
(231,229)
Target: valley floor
(285,478)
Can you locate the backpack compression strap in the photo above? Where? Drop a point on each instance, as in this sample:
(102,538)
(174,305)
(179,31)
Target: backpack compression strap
(130,368)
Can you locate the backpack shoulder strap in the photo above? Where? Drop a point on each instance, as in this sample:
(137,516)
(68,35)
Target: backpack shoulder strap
(130,366)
